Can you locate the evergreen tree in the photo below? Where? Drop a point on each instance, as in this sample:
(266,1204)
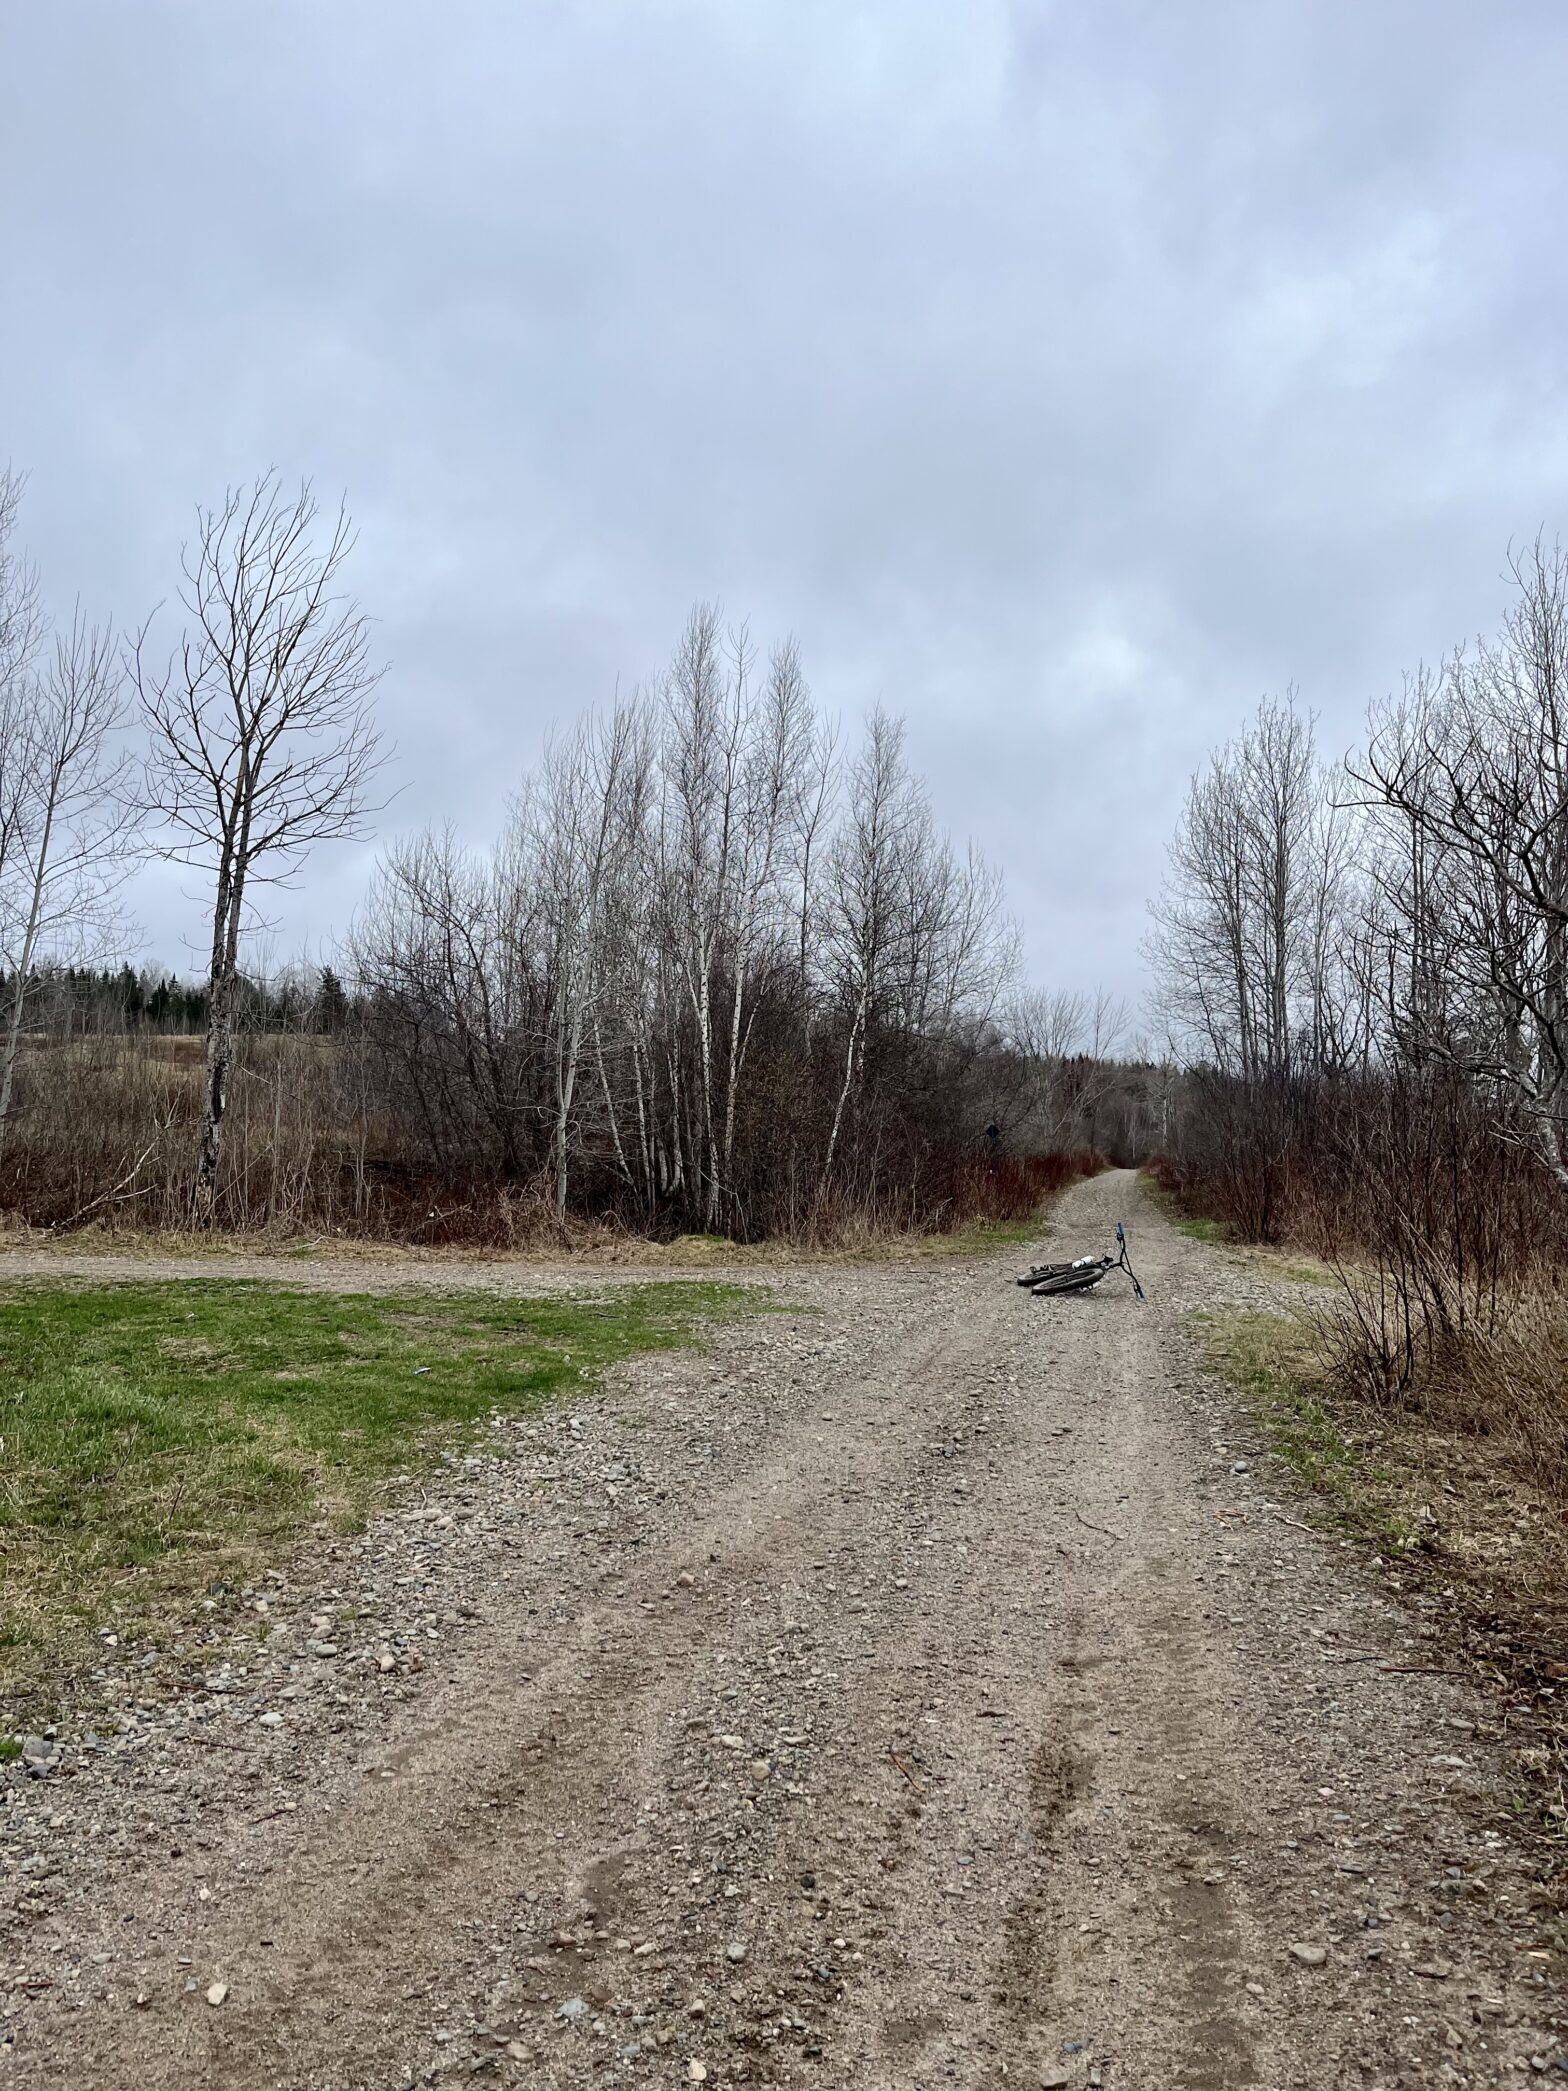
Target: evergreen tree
(329,1010)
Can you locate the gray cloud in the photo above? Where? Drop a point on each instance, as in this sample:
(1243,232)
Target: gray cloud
(1065,375)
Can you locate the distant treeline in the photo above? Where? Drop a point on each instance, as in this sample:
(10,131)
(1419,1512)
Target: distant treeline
(72,1001)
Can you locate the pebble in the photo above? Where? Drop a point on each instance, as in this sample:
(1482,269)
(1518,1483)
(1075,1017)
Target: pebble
(696,2073)
(216,1992)
(1309,1956)
(573,2008)
(735,1952)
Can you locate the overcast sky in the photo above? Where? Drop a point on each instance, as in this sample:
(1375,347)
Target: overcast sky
(1066,376)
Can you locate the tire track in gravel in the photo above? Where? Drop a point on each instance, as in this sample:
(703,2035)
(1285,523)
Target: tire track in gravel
(905,1735)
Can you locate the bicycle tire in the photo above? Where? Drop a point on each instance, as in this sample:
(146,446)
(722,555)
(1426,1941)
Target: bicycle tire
(1075,1278)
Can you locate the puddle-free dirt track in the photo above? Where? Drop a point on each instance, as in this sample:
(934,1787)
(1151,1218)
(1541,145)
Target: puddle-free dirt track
(923,1686)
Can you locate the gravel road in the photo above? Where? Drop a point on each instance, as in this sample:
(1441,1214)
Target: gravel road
(926,1685)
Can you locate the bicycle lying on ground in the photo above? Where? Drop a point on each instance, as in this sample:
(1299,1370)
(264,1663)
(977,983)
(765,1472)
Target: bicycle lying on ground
(1046,1280)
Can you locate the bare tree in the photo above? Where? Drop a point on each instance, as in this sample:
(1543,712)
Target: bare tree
(863,883)
(779,752)
(65,817)
(21,635)
(816,787)
(72,823)
(1042,1027)
(1247,940)
(587,824)
(1470,774)
(917,948)
(22,623)
(707,706)
(262,737)
(446,950)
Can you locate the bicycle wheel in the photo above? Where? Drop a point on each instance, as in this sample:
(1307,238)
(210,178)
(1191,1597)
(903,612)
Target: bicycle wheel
(1076,1278)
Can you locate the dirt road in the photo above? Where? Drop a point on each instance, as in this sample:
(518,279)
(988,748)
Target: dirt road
(926,1686)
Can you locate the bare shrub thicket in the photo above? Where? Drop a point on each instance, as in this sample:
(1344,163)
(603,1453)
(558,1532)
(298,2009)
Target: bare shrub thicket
(1365,969)
(318,1140)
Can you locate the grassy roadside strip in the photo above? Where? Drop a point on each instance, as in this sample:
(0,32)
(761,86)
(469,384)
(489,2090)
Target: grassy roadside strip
(160,1442)
(1481,1555)
(971,1238)
(242,1255)
(1273,1361)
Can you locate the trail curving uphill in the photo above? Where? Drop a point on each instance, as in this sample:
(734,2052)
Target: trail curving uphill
(925,1686)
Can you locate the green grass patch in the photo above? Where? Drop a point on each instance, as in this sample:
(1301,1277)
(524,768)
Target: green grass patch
(975,1237)
(158,1439)
(1273,1361)
(1200,1230)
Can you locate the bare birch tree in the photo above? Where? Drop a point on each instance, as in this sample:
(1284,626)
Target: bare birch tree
(66,820)
(22,629)
(73,820)
(590,814)
(706,706)
(917,948)
(863,882)
(1470,774)
(1247,940)
(262,737)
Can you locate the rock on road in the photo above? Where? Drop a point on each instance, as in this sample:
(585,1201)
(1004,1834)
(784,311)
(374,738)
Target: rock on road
(925,1685)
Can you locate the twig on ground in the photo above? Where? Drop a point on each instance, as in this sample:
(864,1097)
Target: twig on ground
(1420,1670)
(903,1767)
(1090,1526)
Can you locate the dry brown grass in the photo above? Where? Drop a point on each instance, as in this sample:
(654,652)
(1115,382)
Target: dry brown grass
(1499,1379)
(101,1147)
